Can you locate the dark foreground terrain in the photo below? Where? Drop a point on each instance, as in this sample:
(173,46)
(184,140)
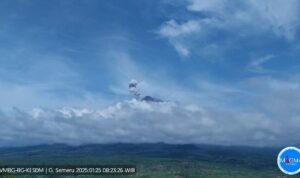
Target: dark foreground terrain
(154,160)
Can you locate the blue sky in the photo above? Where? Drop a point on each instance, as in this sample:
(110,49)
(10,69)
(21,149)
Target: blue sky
(229,56)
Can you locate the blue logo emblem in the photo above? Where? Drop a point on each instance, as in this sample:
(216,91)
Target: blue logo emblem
(288,160)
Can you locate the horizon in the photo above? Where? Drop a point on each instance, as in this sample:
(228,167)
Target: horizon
(198,145)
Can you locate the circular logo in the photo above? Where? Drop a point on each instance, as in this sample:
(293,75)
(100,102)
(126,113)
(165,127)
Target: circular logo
(288,160)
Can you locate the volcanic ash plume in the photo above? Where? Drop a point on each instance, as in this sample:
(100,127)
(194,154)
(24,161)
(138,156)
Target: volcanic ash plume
(133,89)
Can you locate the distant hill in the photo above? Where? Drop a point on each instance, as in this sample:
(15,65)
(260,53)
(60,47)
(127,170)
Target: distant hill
(249,156)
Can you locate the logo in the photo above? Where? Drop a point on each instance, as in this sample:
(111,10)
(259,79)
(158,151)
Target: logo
(288,160)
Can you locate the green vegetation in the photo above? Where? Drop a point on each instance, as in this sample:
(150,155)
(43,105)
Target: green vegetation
(154,160)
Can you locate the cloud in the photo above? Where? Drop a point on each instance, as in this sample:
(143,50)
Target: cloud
(256,65)
(214,119)
(137,121)
(173,29)
(226,23)
(175,32)
(279,16)
(182,50)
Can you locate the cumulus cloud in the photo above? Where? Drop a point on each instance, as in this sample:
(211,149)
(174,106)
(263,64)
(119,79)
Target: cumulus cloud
(138,121)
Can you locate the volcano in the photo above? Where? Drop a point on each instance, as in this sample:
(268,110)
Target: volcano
(151,99)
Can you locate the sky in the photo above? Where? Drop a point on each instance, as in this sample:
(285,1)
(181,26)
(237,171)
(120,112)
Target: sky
(228,71)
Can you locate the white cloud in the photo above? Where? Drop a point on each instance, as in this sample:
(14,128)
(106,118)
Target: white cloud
(279,16)
(182,50)
(269,120)
(235,19)
(206,6)
(172,29)
(176,32)
(136,121)
(256,65)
